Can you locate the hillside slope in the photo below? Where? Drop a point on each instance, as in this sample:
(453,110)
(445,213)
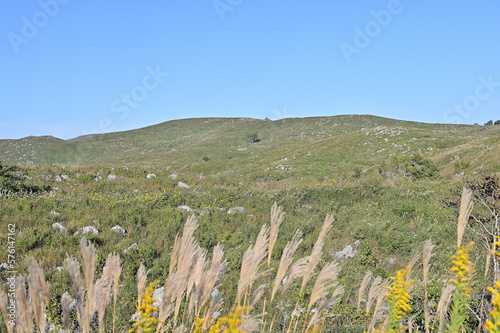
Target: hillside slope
(221,146)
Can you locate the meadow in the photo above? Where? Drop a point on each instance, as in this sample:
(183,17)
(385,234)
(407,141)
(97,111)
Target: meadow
(313,219)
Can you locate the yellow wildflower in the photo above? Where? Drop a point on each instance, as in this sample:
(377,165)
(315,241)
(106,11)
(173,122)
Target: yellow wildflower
(146,323)
(493,325)
(227,324)
(462,267)
(398,298)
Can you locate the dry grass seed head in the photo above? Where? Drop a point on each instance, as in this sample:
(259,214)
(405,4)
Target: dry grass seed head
(67,304)
(167,306)
(325,305)
(488,262)
(324,282)
(141,282)
(22,306)
(444,301)
(218,268)
(427,254)
(277,217)
(187,260)
(466,206)
(286,260)
(250,324)
(298,270)
(315,256)
(73,268)
(39,293)
(413,260)
(373,293)
(200,272)
(101,299)
(380,310)
(174,255)
(190,283)
(252,258)
(187,239)
(364,284)
(38,275)
(102,289)
(257,295)
(116,269)
(3,308)
(89,254)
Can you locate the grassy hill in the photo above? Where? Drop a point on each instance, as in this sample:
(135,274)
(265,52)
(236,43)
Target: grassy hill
(389,184)
(296,146)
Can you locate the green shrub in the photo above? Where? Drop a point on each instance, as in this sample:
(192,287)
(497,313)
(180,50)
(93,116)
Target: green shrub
(410,166)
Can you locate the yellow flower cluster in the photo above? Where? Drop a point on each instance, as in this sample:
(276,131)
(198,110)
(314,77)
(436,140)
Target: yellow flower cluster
(493,325)
(146,323)
(146,198)
(399,297)
(462,267)
(229,324)
(496,245)
(217,202)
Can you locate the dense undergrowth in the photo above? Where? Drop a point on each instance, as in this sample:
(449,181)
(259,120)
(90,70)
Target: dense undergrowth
(385,216)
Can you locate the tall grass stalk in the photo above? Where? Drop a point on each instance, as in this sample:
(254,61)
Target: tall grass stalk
(277,217)
(24,316)
(427,254)
(67,305)
(362,288)
(313,261)
(116,269)
(38,292)
(324,282)
(3,308)
(375,290)
(466,207)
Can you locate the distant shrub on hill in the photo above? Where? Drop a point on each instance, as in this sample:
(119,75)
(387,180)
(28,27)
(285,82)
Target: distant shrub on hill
(12,182)
(410,166)
(9,181)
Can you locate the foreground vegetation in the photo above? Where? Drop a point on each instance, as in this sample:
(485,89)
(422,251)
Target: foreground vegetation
(191,301)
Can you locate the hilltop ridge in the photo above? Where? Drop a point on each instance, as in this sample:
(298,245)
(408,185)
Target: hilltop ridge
(237,146)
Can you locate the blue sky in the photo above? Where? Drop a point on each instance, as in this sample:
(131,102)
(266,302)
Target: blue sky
(76,67)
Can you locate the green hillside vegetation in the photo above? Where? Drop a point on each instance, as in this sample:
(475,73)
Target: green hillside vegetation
(389,186)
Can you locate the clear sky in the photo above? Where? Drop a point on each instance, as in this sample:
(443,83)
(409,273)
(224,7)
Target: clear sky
(71,67)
